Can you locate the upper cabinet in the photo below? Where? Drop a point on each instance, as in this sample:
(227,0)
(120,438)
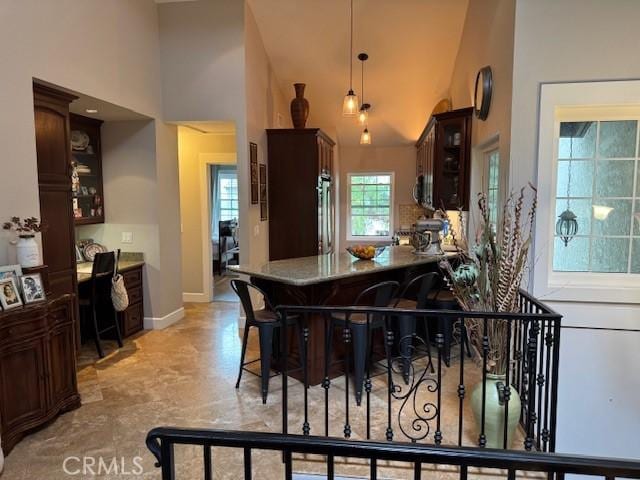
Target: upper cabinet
(444,159)
(86,173)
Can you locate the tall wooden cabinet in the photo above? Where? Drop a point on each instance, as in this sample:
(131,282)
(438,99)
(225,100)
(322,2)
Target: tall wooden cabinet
(444,160)
(53,150)
(301,196)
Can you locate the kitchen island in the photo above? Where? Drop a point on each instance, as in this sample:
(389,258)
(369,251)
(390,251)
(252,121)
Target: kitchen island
(333,279)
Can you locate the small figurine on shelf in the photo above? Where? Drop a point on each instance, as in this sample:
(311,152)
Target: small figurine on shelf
(27,249)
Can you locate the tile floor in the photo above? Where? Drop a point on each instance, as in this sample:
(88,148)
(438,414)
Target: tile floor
(184,376)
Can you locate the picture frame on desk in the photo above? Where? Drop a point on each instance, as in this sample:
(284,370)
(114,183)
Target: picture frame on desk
(9,294)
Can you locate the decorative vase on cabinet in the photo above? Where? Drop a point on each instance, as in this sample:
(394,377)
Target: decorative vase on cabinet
(299,107)
(27,251)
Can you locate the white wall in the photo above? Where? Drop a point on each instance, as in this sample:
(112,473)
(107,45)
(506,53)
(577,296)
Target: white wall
(487,39)
(115,59)
(265,102)
(578,40)
(399,160)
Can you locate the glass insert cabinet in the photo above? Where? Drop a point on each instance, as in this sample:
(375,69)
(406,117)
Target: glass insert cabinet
(443,160)
(86,170)
(598,180)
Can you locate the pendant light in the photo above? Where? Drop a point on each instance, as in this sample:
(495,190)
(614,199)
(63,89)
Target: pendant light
(350,103)
(567,224)
(365,137)
(363,113)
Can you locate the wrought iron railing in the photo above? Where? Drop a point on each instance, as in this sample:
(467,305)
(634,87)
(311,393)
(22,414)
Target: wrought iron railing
(161,442)
(412,406)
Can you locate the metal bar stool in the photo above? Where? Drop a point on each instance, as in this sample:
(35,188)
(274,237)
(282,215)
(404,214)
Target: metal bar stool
(410,299)
(266,321)
(361,327)
(102,272)
(444,299)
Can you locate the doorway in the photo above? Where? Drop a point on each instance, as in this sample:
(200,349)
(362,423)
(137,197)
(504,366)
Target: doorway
(208,199)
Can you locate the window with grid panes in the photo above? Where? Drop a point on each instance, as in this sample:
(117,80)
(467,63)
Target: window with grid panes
(370,208)
(493,186)
(228,196)
(598,179)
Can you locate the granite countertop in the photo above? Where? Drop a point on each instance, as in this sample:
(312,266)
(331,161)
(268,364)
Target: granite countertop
(128,261)
(323,268)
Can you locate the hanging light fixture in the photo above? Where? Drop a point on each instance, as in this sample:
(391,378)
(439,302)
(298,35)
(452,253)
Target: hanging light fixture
(567,224)
(365,137)
(363,114)
(350,103)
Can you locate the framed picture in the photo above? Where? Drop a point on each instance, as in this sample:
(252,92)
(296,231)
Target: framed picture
(32,288)
(263,192)
(253,167)
(11,271)
(9,295)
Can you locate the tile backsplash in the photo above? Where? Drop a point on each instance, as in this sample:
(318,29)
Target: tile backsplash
(409,213)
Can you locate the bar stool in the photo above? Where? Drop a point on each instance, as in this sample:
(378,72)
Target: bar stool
(407,324)
(266,321)
(444,299)
(382,294)
(102,272)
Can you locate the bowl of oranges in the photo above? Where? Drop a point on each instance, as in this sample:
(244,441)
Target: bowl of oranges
(365,252)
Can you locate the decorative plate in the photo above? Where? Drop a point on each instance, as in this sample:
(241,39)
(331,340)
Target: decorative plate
(79,140)
(91,249)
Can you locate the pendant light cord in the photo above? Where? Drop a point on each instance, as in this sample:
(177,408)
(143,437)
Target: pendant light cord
(362,84)
(569,174)
(351,49)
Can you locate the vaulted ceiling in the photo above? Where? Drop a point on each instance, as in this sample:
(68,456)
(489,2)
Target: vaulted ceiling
(412,47)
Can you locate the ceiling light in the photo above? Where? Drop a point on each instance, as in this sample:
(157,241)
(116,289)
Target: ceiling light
(350,103)
(365,137)
(601,212)
(363,112)
(91,110)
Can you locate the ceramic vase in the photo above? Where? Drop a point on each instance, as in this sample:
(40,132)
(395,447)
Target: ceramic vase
(28,251)
(299,107)
(494,411)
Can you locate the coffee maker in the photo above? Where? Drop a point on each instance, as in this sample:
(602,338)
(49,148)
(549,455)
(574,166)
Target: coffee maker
(426,237)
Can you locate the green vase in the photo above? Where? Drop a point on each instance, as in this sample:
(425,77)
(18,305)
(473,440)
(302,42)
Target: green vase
(494,411)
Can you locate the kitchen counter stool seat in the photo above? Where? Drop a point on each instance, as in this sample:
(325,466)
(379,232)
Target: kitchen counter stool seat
(444,299)
(361,328)
(419,287)
(266,321)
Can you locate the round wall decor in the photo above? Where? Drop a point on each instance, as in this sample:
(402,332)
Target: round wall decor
(482,93)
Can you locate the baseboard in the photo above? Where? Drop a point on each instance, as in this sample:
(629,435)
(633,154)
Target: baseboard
(195,297)
(152,323)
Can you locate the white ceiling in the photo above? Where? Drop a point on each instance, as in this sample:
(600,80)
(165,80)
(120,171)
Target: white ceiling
(412,47)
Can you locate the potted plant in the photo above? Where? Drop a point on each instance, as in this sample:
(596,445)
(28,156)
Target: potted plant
(26,246)
(488,279)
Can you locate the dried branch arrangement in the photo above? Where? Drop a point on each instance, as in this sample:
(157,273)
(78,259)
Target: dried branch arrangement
(488,278)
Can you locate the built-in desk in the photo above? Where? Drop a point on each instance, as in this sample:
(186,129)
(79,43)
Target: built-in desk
(131,269)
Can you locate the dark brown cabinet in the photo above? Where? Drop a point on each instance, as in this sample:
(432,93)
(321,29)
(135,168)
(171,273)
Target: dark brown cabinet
(444,159)
(132,319)
(53,151)
(86,170)
(37,367)
(301,197)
